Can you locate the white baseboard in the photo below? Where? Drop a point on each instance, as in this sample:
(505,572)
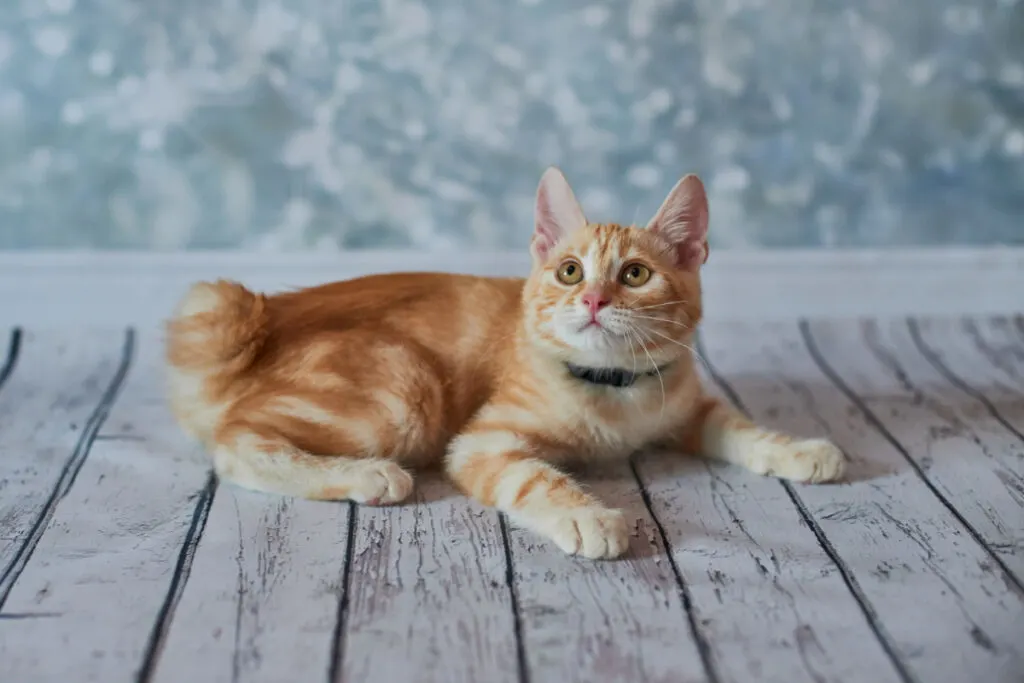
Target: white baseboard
(119,288)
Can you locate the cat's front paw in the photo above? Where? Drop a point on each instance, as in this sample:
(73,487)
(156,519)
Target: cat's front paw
(812,461)
(593,532)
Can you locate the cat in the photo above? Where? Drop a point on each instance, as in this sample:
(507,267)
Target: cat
(333,391)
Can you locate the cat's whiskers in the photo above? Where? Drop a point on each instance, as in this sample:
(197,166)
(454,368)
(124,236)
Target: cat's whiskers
(660,319)
(632,349)
(634,400)
(661,380)
(661,305)
(663,320)
(689,348)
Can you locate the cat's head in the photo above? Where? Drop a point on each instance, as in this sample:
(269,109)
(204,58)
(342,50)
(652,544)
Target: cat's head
(613,295)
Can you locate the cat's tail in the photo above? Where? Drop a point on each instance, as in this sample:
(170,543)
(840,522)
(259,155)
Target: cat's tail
(218,327)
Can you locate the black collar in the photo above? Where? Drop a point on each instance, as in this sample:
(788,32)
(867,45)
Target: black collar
(619,378)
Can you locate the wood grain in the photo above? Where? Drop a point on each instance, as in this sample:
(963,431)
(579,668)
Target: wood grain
(428,593)
(975,463)
(13,340)
(770,601)
(124,560)
(933,594)
(57,390)
(619,620)
(100,575)
(262,600)
(982,357)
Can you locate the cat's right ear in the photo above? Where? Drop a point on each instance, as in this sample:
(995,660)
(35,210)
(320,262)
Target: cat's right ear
(682,221)
(556,214)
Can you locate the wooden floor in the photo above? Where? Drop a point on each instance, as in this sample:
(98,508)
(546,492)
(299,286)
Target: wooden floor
(122,559)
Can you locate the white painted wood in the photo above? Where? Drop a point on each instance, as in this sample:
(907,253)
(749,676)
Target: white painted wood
(103,566)
(619,620)
(262,600)
(973,460)
(1001,340)
(770,602)
(938,600)
(984,354)
(56,384)
(9,352)
(62,288)
(428,594)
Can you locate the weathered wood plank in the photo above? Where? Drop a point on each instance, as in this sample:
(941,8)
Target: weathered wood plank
(982,357)
(12,339)
(263,599)
(620,620)
(57,392)
(428,598)
(771,603)
(101,573)
(974,462)
(935,595)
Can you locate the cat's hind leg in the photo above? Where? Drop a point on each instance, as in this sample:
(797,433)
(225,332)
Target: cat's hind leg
(718,432)
(257,458)
(335,425)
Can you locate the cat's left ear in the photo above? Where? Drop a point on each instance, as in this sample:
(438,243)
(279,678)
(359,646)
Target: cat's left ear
(556,214)
(682,221)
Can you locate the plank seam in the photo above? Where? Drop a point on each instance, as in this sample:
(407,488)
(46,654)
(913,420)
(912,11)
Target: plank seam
(334,667)
(874,623)
(954,379)
(876,423)
(703,646)
(523,673)
(930,355)
(13,347)
(180,576)
(69,472)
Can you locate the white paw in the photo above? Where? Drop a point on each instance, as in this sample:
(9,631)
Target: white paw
(592,532)
(379,483)
(812,461)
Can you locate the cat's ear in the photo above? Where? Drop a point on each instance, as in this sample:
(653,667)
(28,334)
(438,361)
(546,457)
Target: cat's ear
(556,214)
(682,221)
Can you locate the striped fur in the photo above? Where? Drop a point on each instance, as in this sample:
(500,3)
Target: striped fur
(338,391)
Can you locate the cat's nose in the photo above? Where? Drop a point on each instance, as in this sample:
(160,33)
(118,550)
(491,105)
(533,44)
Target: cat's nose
(595,301)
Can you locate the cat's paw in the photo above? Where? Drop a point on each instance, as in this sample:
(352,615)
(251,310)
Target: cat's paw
(372,482)
(382,483)
(593,532)
(811,461)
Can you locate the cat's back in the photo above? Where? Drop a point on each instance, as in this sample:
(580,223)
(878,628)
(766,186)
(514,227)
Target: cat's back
(396,297)
(422,329)
(444,312)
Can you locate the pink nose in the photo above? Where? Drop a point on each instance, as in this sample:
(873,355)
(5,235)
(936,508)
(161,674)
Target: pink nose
(594,302)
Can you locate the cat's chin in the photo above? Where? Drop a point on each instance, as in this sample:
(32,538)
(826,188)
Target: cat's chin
(597,347)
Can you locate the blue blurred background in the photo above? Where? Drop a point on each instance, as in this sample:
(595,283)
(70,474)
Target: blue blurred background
(422,124)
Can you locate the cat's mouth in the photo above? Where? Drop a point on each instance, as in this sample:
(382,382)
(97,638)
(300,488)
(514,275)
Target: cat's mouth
(594,326)
(592,331)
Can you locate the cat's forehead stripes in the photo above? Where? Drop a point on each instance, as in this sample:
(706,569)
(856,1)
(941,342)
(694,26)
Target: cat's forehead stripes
(606,248)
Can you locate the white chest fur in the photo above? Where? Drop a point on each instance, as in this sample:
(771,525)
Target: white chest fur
(614,422)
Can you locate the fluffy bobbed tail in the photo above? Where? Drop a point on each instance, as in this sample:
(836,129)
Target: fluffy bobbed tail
(217,327)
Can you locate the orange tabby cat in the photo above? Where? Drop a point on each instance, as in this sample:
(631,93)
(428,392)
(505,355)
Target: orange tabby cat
(331,392)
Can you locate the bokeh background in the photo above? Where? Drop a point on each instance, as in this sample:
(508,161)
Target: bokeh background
(425,124)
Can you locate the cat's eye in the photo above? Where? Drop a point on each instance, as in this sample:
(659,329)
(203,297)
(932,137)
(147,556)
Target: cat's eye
(635,275)
(570,272)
